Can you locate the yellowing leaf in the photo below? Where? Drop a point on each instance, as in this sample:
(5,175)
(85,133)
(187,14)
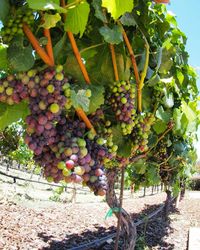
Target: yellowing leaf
(118,7)
(50,21)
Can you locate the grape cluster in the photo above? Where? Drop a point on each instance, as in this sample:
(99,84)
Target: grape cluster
(61,143)
(161,155)
(122,101)
(71,157)
(12,90)
(14,25)
(141,132)
(103,128)
(46,102)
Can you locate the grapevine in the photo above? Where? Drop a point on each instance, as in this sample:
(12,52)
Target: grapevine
(102,92)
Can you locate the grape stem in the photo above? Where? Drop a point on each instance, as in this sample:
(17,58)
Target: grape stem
(33,40)
(49,48)
(166,159)
(143,75)
(136,158)
(160,138)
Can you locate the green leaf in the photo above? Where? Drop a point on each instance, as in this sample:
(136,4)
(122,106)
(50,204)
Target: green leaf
(98,10)
(113,36)
(177,114)
(50,21)
(159,127)
(140,166)
(180,76)
(72,68)
(118,7)
(163,115)
(97,98)
(188,111)
(168,99)
(128,19)
(166,62)
(77,18)
(46,5)
(3,57)
(4,10)
(100,67)
(80,100)
(59,48)
(12,114)
(20,58)
(3,107)
(124,145)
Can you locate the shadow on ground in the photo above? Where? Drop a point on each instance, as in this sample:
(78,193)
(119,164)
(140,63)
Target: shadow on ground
(152,233)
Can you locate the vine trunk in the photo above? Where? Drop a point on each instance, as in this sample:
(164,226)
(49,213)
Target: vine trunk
(128,227)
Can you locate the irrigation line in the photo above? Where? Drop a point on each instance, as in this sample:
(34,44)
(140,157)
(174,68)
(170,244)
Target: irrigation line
(46,183)
(99,242)
(39,182)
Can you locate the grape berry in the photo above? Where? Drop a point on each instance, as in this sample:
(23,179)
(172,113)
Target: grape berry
(122,101)
(14,24)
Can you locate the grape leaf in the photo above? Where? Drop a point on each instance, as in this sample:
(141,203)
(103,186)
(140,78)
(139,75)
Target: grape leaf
(113,36)
(3,57)
(59,50)
(163,115)
(4,10)
(188,111)
(12,113)
(97,98)
(128,19)
(72,68)
(20,58)
(184,124)
(77,18)
(118,7)
(177,118)
(80,100)
(124,145)
(159,127)
(2,108)
(50,21)
(181,122)
(101,69)
(46,5)
(98,10)
(168,99)
(180,76)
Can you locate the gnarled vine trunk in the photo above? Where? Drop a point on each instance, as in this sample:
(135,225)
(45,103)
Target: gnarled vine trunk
(128,227)
(167,203)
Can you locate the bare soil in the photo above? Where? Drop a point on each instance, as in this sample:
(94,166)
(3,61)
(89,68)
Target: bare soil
(28,224)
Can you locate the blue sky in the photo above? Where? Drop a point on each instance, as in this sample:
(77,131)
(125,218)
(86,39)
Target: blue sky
(187,13)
